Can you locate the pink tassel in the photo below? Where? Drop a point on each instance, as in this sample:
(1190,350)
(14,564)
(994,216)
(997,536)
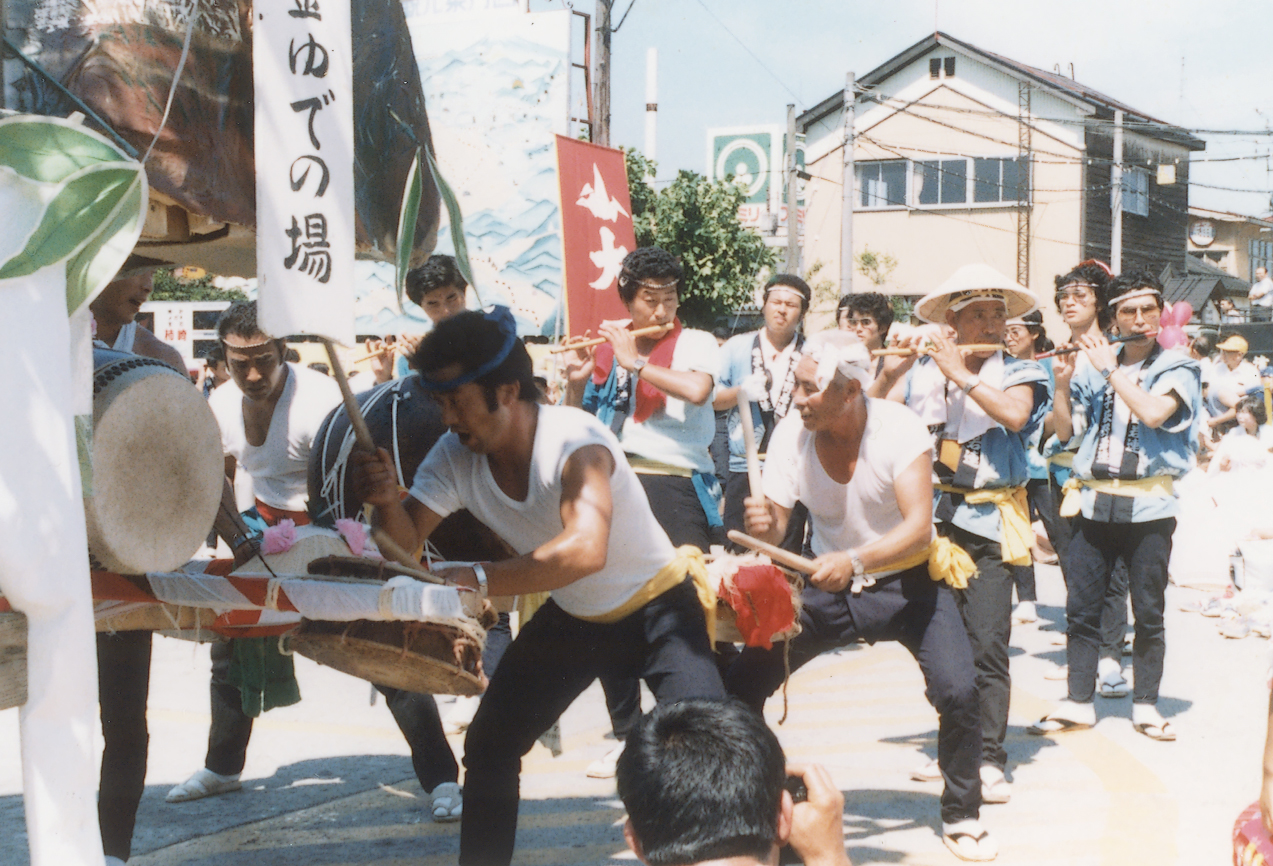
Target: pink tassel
(279,538)
(354,533)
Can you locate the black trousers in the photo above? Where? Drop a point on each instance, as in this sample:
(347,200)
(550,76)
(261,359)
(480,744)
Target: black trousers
(986,608)
(123,686)
(679,511)
(416,715)
(918,613)
(1060,530)
(1095,550)
(554,658)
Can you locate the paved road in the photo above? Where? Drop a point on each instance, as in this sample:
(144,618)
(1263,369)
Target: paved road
(328,782)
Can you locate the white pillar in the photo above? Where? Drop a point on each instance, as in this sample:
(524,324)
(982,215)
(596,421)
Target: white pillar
(651,102)
(1116,182)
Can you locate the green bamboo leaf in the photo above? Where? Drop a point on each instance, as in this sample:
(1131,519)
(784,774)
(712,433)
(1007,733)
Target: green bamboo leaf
(74,215)
(48,150)
(91,269)
(457,224)
(407,225)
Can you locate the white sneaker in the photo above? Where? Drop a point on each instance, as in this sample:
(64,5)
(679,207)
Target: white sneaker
(995,788)
(604,767)
(461,714)
(928,772)
(1025,612)
(203,783)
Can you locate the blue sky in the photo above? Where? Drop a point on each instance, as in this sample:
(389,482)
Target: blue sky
(1130,49)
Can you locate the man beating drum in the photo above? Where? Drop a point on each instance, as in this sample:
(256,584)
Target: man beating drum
(863,468)
(270,413)
(123,658)
(553,482)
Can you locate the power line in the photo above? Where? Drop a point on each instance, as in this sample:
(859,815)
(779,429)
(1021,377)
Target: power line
(753,54)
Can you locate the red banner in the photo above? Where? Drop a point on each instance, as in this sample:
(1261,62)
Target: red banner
(596,223)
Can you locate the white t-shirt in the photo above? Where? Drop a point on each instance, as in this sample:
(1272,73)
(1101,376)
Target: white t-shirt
(680,433)
(1232,383)
(279,468)
(452,477)
(847,516)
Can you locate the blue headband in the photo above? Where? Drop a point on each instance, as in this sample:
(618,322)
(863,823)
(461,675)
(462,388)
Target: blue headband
(503,317)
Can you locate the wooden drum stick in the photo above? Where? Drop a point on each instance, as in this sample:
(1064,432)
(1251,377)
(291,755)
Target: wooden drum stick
(361,434)
(394,552)
(754,478)
(588,344)
(777,554)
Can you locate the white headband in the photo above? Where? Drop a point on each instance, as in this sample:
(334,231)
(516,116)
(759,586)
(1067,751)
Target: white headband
(1141,291)
(839,352)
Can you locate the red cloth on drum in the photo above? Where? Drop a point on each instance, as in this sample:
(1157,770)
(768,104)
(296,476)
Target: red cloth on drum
(761,599)
(272,515)
(1251,843)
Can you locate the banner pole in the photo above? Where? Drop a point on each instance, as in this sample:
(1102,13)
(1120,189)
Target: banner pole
(361,434)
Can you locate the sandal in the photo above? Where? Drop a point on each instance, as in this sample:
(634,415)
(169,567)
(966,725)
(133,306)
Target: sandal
(1055,725)
(1147,720)
(1113,686)
(968,840)
(446,803)
(204,783)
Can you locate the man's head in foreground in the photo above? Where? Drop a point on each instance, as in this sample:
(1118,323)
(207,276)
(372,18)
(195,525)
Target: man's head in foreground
(703,780)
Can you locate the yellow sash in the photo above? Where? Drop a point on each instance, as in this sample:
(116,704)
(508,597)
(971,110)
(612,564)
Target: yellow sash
(946,561)
(646,466)
(1064,459)
(1014,513)
(688,560)
(1154,485)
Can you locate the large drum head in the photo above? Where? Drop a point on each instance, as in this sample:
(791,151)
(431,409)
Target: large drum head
(157,466)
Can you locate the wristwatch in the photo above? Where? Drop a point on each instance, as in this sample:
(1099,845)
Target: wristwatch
(970,384)
(638,365)
(1106,373)
(859,568)
(480,573)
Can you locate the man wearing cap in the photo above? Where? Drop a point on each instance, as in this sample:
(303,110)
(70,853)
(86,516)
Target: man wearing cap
(555,484)
(979,407)
(1230,379)
(654,392)
(764,363)
(1133,412)
(863,468)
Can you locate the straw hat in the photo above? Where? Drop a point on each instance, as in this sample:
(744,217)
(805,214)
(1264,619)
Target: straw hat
(970,284)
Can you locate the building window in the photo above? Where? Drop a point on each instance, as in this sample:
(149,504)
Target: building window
(934,68)
(1135,192)
(882,184)
(950,67)
(943,181)
(1261,255)
(1001,180)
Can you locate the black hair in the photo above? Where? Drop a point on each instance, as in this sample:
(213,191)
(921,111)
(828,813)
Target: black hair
(1137,278)
(215,355)
(792,281)
(470,339)
(438,272)
(320,367)
(1093,274)
(239,320)
(647,263)
(1205,344)
(702,780)
(1254,405)
(872,304)
(1034,324)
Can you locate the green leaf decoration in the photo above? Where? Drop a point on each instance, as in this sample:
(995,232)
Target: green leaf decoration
(407,226)
(91,269)
(74,215)
(42,149)
(457,224)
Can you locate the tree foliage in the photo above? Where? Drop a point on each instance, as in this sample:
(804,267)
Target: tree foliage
(171,288)
(697,220)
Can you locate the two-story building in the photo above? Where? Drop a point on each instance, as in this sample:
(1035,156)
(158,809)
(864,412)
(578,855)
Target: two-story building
(962,155)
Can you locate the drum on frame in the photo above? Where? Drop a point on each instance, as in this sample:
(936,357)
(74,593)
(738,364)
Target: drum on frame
(157,466)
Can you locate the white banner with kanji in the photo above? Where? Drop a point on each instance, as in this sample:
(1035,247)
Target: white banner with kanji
(304,143)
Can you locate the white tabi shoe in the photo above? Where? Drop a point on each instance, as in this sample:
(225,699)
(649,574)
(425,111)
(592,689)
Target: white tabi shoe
(203,783)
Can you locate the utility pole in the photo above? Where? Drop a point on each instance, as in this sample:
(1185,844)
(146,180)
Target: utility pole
(1116,181)
(601,132)
(1023,183)
(651,103)
(846,205)
(793,212)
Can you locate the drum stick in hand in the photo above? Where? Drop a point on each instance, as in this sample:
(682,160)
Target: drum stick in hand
(754,478)
(588,344)
(777,554)
(391,550)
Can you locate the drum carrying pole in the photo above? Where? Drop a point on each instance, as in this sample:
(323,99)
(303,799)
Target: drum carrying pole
(361,434)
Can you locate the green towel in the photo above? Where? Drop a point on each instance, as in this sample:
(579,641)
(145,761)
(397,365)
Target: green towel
(266,678)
